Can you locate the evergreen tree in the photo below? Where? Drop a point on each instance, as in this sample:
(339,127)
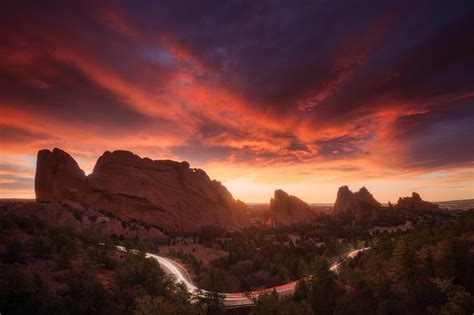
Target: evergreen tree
(322,293)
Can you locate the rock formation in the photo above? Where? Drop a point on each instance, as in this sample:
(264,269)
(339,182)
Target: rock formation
(163,193)
(361,205)
(77,218)
(415,203)
(286,209)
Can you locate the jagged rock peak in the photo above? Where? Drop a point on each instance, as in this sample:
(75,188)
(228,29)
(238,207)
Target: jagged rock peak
(57,175)
(361,205)
(415,203)
(164,193)
(365,196)
(129,158)
(287,209)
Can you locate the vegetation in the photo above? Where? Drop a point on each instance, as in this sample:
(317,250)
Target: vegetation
(425,270)
(261,257)
(54,271)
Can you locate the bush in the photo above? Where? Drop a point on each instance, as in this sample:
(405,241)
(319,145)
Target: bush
(136,270)
(88,296)
(65,256)
(18,290)
(14,251)
(149,305)
(42,247)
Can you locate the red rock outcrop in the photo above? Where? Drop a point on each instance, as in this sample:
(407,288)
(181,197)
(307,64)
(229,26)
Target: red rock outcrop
(287,209)
(79,219)
(163,193)
(415,203)
(360,205)
(58,176)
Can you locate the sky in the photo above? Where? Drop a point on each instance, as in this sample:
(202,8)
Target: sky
(300,95)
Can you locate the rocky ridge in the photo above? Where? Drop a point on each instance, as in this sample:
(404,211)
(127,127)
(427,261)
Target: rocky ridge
(81,219)
(415,203)
(360,205)
(162,193)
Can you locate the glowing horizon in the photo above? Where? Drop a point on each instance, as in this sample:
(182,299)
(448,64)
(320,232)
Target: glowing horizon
(287,99)
(252,187)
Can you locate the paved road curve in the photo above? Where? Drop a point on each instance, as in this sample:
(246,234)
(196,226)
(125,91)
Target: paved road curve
(231,299)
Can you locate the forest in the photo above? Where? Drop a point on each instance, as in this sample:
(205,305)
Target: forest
(426,270)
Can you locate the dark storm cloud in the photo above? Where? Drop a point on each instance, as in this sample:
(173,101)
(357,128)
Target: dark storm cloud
(342,147)
(277,52)
(421,72)
(440,138)
(297,146)
(271,51)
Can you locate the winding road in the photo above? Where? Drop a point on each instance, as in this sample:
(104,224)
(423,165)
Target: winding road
(236,299)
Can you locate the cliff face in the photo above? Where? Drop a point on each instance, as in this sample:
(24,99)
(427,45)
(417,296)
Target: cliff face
(361,205)
(415,203)
(286,209)
(164,193)
(58,176)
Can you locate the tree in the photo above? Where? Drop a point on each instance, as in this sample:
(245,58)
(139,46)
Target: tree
(322,293)
(138,270)
(404,261)
(460,302)
(405,267)
(88,296)
(455,261)
(427,261)
(211,304)
(214,280)
(363,287)
(268,303)
(302,268)
(301,291)
(150,305)
(18,290)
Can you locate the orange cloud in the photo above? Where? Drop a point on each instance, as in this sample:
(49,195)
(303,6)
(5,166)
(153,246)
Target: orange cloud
(295,109)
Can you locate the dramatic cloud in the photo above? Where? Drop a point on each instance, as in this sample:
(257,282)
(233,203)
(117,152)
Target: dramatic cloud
(263,94)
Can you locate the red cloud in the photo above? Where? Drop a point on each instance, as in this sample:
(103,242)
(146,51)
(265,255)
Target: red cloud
(174,88)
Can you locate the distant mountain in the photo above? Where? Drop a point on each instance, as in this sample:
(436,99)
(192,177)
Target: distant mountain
(360,205)
(287,209)
(162,193)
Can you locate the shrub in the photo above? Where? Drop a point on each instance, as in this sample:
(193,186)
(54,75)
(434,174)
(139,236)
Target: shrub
(42,247)
(14,251)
